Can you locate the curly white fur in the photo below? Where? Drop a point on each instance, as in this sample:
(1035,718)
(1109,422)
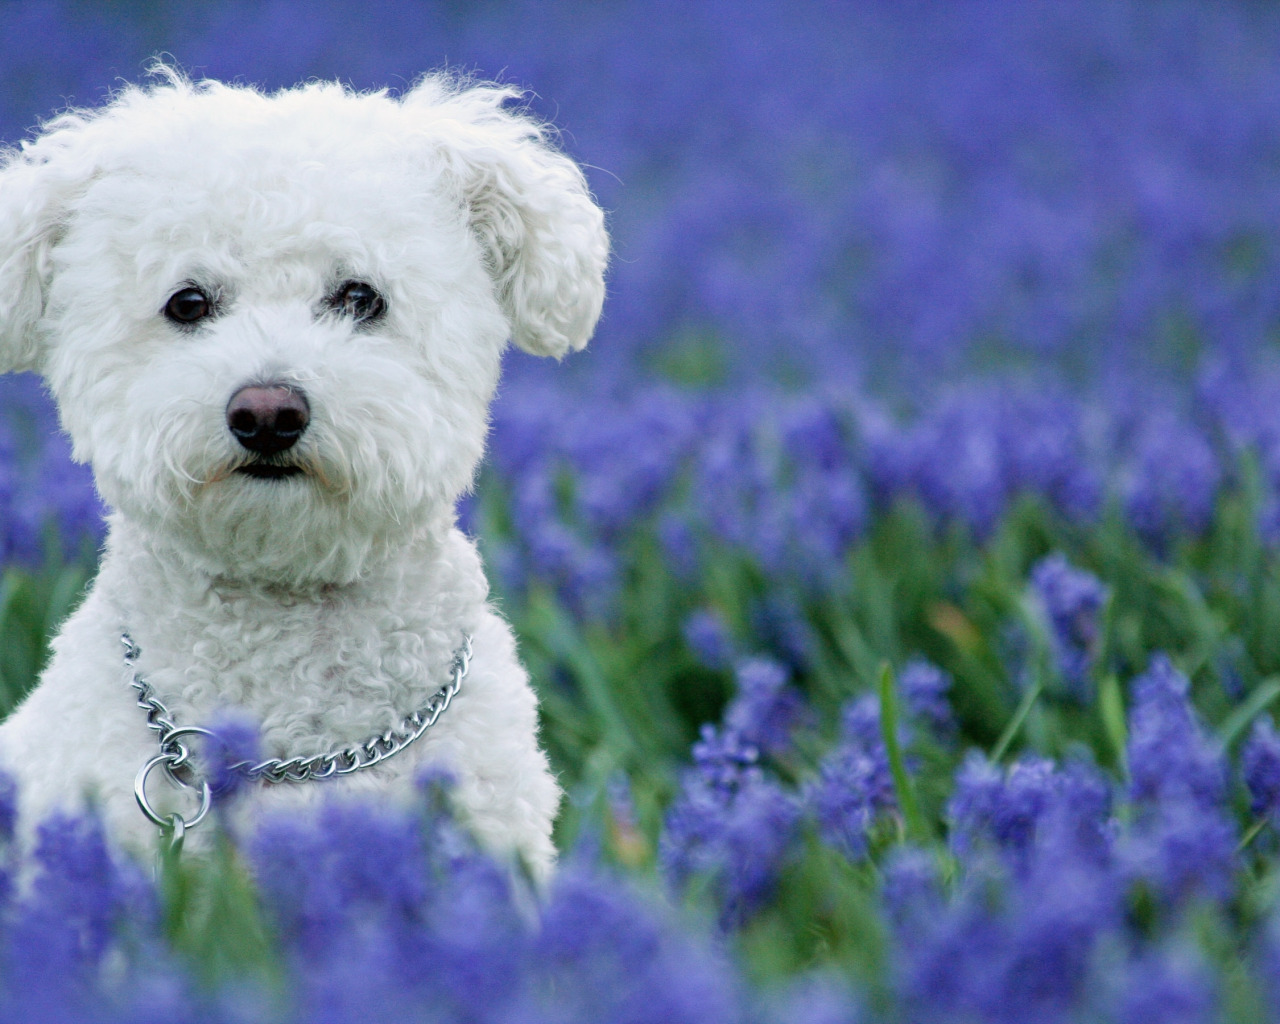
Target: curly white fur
(328,604)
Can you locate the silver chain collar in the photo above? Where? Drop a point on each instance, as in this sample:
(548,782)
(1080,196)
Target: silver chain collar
(175,754)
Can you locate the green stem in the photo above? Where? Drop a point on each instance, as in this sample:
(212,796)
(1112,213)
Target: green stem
(1254,831)
(917,830)
(1024,708)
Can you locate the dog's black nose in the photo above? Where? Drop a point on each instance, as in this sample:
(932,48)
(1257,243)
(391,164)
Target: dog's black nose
(268,419)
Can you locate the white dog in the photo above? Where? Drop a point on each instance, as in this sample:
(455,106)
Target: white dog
(273,326)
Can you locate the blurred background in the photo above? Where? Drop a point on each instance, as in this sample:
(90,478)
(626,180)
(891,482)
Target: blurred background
(881,200)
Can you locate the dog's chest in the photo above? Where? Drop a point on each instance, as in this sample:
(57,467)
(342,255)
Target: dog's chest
(314,674)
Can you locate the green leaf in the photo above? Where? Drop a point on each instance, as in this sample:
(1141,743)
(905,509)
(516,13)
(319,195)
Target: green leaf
(1111,710)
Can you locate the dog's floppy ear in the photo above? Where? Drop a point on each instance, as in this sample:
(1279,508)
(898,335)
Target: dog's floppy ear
(529,206)
(35,182)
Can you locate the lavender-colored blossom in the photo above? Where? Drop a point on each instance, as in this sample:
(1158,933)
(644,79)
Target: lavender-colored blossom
(912,891)
(860,721)
(1169,755)
(1018,937)
(766,708)
(606,952)
(721,756)
(359,861)
(1071,600)
(853,784)
(233,747)
(1181,849)
(820,999)
(709,638)
(1180,840)
(1260,763)
(1167,986)
(1032,802)
(852,787)
(795,504)
(730,824)
(68,920)
(924,687)
(1007,950)
(1171,479)
(990,804)
(8,807)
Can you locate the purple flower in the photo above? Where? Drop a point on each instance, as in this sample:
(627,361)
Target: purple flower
(766,708)
(1071,600)
(721,756)
(1180,840)
(1008,950)
(1169,754)
(360,861)
(1180,849)
(860,721)
(924,689)
(912,891)
(820,999)
(853,786)
(8,807)
(730,825)
(81,893)
(989,804)
(1260,762)
(1167,986)
(1171,479)
(709,638)
(232,748)
(1031,804)
(605,952)
(1019,935)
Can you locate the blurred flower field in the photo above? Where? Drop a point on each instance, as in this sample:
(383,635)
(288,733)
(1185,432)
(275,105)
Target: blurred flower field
(897,568)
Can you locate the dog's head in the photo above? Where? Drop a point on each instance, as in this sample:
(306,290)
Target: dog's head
(273,324)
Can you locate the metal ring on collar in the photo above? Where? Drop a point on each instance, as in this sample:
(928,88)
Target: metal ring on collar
(140,793)
(170,743)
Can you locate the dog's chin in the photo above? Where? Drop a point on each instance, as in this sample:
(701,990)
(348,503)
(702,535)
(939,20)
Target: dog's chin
(290,524)
(280,531)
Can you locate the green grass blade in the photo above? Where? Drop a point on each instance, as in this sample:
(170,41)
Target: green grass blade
(917,830)
(1234,725)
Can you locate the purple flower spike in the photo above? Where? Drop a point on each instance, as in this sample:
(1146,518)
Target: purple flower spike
(1169,754)
(1072,601)
(8,807)
(709,638)
(1167,987)
(853,786)
(766,709)
(731,824)
(1260,762)
(233,746)
(924,689)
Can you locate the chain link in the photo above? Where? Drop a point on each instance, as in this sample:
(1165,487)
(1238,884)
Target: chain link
(175,755)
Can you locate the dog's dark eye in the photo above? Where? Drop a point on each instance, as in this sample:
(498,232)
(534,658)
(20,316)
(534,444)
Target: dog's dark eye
(358,301)
(187,306)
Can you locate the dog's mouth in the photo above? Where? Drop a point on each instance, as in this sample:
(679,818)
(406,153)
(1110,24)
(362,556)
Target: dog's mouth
(269,470)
